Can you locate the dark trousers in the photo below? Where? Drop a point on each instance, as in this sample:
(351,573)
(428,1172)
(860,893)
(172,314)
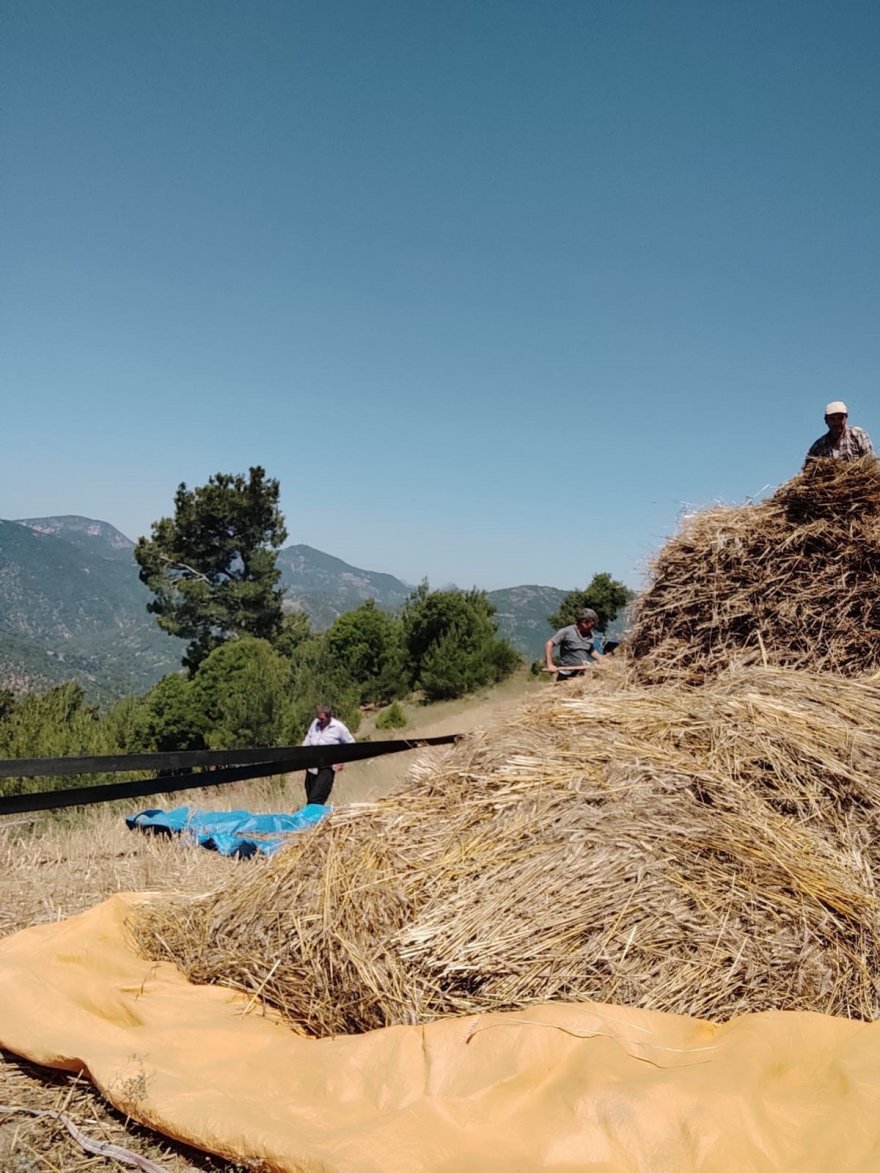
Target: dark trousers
(318,786)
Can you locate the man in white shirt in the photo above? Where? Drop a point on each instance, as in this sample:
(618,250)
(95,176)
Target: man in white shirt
(324,730)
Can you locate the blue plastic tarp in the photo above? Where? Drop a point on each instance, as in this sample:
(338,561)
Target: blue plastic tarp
(238,833)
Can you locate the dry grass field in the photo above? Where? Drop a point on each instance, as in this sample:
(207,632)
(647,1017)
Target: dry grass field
(55,867)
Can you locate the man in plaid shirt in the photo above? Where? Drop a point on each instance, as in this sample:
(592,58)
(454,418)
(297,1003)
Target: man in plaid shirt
(840,442)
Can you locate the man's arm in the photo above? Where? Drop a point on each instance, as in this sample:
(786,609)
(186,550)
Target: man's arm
(548,654)
(343,737)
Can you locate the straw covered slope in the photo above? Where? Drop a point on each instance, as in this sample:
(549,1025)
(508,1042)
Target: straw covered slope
(705,851)
(793,580)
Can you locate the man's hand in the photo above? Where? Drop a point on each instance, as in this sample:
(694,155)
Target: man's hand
(551,668)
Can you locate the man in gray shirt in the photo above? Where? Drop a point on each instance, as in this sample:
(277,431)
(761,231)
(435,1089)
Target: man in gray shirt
(576,646)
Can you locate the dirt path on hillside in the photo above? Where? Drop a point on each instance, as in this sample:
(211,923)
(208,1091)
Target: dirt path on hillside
(364,781)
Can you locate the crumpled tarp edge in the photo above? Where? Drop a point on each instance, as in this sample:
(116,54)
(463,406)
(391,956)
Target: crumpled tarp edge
(560,1087)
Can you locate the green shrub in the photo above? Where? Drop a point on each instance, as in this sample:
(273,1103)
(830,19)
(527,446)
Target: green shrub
(369,645)
(452,643)
(240,695)
(393,718)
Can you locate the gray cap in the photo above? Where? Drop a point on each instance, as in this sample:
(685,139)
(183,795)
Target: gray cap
(587,613)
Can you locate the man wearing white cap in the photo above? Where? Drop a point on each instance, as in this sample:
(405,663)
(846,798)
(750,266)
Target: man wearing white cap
(840,441)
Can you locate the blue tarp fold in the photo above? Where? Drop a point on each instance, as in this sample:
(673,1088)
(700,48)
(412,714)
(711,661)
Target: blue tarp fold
(238,833)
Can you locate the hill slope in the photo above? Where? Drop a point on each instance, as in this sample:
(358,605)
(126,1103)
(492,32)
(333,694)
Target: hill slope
(522,614)
(72,606)
(95,537)
(70,612)
(324,587)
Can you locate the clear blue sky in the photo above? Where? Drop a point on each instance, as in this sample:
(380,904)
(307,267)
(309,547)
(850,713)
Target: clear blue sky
(496,290)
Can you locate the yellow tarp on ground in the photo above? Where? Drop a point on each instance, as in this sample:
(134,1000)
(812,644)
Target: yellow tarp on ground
(559,1087)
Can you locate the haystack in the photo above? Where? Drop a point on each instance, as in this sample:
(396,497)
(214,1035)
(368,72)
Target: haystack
(793,581)
(706,851)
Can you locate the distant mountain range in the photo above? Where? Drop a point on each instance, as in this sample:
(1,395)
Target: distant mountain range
(73,608)
(324,587)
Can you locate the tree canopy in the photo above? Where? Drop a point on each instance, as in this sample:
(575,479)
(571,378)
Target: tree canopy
(212,566)
(452,642)
(369,644)
(240,695)
(604,594)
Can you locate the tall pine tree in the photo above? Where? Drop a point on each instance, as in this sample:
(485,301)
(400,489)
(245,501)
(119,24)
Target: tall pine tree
(212,566)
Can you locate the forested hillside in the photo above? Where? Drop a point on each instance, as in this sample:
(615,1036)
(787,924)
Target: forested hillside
(72,607)
(75,610)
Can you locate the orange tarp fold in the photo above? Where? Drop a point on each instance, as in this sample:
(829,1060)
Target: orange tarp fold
(558,1086)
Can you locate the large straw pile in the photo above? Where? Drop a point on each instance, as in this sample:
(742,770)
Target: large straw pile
(794,580)
(705,851)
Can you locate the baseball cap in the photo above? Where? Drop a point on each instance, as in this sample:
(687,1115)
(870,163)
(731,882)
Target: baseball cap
(838,407)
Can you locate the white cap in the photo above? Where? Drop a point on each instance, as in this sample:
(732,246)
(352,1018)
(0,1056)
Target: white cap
(838,407)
